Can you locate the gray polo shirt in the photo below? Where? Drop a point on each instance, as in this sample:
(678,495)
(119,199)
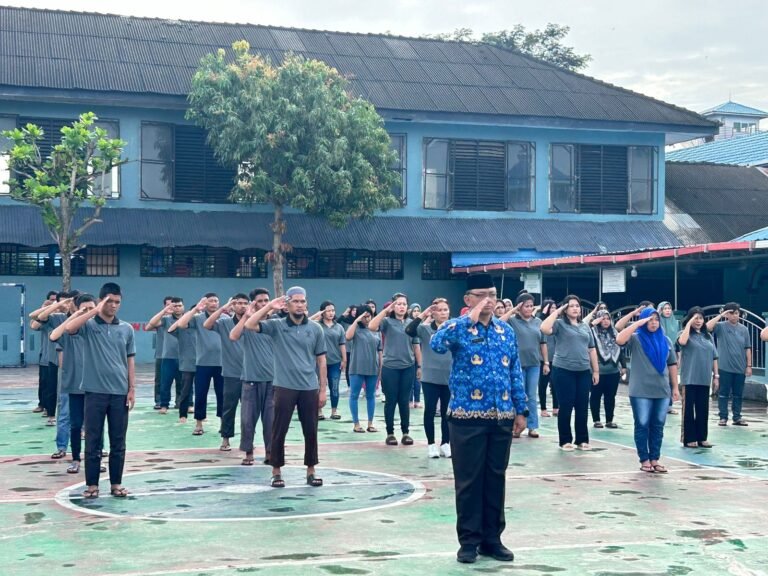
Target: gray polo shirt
(71,373)
(573,344)
(170,346)
(644,380)
(398,346)
(208,343)
(732,342)
(297,347)
(529,340)
(697,359)
(334,338)
(367,345)
(435,368)
(258,357)
(106,348)
(186,341)
(231,350)
(48,353)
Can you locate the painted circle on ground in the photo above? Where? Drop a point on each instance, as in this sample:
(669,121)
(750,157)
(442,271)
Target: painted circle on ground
(239,493)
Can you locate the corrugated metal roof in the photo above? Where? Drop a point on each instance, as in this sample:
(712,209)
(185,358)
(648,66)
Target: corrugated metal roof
(460,68)
(724,201)
(736,109)
(241,230)
(749,150)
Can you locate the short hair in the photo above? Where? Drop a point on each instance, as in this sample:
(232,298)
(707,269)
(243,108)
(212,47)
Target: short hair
(691,313)
(646,303)
(110,288)
(167,298)
(257,292)
(524,298)
(177,300)
(83,298)
(51,293)
(211,295)
(325,303)
(240,296)
(733,306)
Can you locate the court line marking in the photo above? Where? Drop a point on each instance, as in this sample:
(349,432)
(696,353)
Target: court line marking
(63,499)
(336,560)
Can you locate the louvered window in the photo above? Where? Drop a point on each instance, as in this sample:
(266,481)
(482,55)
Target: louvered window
(177,164)
(595,179)
(343,263)
(400,167)
(475,175)
(202,262)
(16,260)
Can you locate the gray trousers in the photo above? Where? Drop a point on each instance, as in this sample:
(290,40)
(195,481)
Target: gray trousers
(257,402)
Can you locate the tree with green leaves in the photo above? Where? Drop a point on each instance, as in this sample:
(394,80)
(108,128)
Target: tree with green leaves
(73,175)
(297,138)
(546,44)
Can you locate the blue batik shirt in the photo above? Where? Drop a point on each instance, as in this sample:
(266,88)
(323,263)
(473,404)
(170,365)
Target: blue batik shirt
(486,380)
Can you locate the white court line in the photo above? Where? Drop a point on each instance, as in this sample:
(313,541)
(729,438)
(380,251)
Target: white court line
(336,560)
(63,499)
(696,464)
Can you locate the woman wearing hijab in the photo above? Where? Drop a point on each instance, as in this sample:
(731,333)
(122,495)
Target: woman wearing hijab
(654,369)
(671,327)
(612,365)
(698,368)
(414,311)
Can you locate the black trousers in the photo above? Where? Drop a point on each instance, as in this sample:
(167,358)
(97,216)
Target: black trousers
(433,393)
(184,397)
(49,389)
(232,389)
(480,454)
(158,376)
(544,381)
(203,377)
(573,393)
(606,389)
(307,402)
(113,408)
(397,385)
(695,413)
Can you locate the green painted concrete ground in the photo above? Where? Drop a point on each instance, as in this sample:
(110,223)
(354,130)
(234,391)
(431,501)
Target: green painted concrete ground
(384,511)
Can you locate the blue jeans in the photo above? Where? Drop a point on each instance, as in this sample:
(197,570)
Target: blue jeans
(334,375)
(416,391)
(169,371)
(650,415)
(731,384)
(356,382)
(62,423)
(531,383)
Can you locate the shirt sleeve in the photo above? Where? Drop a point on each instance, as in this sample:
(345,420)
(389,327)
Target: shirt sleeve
(130,344)
(591,343)
(519,397)
(342,336)
(268,327)
(715,354)
(384,326)
(448,335)
(320,347)
(671,356)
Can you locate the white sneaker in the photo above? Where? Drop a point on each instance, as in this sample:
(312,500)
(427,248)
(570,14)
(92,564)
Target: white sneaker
(445,450)
(433,451)
(584,446)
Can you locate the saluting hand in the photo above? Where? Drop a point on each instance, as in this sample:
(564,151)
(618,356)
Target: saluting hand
(202,304)
(278,303)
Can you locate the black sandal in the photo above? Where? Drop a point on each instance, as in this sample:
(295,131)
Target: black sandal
(314,481)
(277,481)
(119,492)
(91,493)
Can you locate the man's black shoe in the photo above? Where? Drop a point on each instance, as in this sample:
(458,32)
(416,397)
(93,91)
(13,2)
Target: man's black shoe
(497,552)
(467,554)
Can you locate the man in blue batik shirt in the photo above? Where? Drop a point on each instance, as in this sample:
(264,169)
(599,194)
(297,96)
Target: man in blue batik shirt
(488,404)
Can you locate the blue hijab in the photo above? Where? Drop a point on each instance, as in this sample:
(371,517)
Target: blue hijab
(655,344)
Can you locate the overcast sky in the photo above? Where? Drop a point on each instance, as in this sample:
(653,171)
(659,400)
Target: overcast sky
(692,53)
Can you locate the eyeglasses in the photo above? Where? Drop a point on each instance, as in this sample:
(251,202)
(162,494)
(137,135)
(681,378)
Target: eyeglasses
(487,294)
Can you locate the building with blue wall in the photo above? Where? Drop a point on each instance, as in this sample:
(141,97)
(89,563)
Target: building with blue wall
(501,156)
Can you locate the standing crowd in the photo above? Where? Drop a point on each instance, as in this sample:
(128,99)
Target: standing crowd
(486,374)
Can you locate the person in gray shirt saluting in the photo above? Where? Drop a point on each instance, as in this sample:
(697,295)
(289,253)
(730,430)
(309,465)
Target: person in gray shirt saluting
(735,348)
(299,359)
(109,383)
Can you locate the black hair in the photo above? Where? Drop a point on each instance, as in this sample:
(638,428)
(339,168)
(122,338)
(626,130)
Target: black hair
(240,296)
(567,299)
(362,309)
(83,298)
(395,296)
(167,298)
(733,306)
(522,291)
(646,304)
(691,313)
(51,293)
(325,303)
(211,295)
(177,300)
(525,297)
(110,288)
(257,292)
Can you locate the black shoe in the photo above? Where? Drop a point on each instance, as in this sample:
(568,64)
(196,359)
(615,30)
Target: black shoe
(156,407)
(497,552)
(467,554)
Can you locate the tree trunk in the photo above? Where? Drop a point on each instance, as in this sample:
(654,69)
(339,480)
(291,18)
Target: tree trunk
(65,250)
(66,269)
(278,228)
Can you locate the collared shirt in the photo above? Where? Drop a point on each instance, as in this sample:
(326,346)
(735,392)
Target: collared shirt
(334,339)
(208,343)
(48,352)
(732,342)
(367,345)
(297,347)
(71,375)
(231,350)
(106,349)
(486,379)
(169,347)
(186,343)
